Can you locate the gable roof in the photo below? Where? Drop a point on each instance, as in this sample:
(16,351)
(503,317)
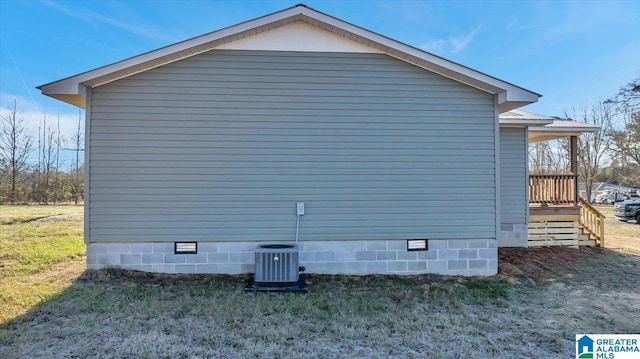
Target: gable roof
(73,89)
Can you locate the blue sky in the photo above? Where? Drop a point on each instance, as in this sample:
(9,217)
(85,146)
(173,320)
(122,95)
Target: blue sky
(573,53)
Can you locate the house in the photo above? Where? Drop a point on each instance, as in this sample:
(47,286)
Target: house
(214,140)
(604,186)
(600,188)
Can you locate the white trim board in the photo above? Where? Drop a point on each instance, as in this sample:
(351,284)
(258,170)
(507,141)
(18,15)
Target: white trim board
(298,36)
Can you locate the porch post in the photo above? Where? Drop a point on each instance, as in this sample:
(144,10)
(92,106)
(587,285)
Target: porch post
(574,166)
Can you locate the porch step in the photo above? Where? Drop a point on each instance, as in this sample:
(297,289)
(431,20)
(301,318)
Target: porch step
(586,234)
(585,237)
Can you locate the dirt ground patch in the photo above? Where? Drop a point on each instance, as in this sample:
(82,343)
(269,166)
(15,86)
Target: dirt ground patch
(541,264)
(601,281)
(620,236)
(624,244)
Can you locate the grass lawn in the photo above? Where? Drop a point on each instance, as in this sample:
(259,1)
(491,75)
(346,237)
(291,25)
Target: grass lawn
(540,300)
(38,247)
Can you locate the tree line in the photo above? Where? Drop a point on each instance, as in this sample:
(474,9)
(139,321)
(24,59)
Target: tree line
(32,170)
(610,155)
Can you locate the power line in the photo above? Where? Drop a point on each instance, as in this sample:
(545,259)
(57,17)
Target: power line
(18,71)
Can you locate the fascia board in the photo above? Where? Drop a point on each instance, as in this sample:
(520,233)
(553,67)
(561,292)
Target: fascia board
(66,85)
(511,92)
(564,129)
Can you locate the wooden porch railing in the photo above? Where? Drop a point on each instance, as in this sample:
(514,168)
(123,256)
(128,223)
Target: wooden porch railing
(552,189)
(592,221)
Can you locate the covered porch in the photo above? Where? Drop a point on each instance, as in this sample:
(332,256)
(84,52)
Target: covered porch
(557,215)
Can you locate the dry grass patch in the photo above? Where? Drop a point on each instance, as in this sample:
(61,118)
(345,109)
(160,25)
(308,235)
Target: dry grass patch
(535,306)
(128,314)
(537,303)
(621,236)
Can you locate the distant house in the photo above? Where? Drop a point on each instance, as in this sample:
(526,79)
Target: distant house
(599,188)
(604,186)
(215,139)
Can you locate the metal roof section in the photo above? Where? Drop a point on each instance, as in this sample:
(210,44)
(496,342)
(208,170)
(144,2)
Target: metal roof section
(519,118)
(604,186)
(73,89)
(544,128)
(559,128)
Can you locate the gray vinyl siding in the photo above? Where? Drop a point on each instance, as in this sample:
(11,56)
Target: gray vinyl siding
(513,181)
(221,146)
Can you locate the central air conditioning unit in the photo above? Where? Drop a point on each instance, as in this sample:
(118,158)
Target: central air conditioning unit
(277,269)
(276,263)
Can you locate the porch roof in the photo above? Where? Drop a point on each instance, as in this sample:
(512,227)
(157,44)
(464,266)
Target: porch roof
(559,128)
(545,128)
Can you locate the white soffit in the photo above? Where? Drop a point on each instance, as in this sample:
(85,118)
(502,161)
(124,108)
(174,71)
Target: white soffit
(298,36)
(560,129)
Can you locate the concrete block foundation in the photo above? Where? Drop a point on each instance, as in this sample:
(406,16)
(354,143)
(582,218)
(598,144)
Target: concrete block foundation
(467,257)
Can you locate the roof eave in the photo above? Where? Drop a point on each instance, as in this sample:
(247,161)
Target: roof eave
(564,129)
(510,94)
(67,91)
(515,97)
(70,89)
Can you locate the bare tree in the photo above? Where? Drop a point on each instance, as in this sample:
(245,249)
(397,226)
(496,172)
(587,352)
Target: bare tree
(625,142)
(57,183)
(15,147)
(48,159)
(625,137)
(548,157)
(592,146)
(77,178)
(628,97)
